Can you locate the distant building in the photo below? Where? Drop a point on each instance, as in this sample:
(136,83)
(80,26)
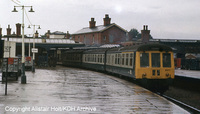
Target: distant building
(103,34)
(57,35)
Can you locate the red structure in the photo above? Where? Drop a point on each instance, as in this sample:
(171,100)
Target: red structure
(177,62)
(8,31)
(145,34)
(103,34)
(18,29)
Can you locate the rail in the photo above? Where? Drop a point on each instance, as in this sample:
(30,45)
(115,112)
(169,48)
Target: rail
(181,104)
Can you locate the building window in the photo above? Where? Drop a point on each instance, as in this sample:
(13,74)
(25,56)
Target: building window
(93,39)
(104,38)
(84,39)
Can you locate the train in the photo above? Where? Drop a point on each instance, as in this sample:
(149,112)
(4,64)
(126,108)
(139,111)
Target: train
(150,65)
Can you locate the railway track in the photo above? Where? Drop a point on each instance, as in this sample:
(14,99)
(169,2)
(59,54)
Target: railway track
(189,108)
(181,104)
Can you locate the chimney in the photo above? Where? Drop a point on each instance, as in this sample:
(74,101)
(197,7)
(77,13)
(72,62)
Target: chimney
(106,20)
(36,34)
(145,34)
(13,34)
(144,27)
(18,29)
(48,33)
(92,23)
(8,31)
(68,35)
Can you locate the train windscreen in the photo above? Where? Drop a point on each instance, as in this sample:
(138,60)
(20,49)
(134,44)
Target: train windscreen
(166,60)
(144,60)
(155,59)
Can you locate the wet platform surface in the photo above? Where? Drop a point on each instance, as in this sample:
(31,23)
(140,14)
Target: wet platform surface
(188,73)
(70,90)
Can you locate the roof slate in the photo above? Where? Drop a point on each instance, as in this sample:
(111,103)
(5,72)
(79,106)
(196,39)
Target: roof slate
(99,28)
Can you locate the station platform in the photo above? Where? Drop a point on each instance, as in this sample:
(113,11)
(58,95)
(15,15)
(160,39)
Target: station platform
(70,90)
(187,73)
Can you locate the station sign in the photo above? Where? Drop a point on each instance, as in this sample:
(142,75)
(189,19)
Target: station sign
(34,50)
(7,48)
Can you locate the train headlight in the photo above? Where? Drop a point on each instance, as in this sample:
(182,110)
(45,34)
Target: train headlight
(144,75)
(167,74)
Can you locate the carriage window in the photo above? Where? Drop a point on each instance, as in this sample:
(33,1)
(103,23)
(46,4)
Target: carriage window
(122,59)
(112,59)
(107,59)
(103,59)
(118,59)
(166,60)
(93,57)
(88,58)
(155,58)
(131,59)
(100,58)
(96,58)
(127,56)
(144,60)
(115,58)
(85,58)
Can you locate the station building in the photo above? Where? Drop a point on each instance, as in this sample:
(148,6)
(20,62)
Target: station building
(108,33)
(47,45)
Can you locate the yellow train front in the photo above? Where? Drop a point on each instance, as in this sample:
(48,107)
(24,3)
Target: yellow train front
(150,65)
(155,67)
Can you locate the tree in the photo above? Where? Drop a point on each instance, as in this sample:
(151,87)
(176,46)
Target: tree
(133,33)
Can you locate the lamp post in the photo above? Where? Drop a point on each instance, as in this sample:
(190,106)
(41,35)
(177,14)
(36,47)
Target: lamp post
(23,77)
(33,65)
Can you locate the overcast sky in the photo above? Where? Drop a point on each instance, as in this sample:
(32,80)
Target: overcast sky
(166,18)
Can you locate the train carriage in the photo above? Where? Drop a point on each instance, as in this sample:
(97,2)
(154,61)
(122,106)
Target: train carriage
(151,65)
(72,58)
(94,59)
(121,61)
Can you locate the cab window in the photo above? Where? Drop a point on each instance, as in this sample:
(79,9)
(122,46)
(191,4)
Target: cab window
(155,58)
(144,59)
(166,60)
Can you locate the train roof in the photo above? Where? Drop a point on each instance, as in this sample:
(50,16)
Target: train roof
(154,47)
(75,51)
(97,51)
(142,47)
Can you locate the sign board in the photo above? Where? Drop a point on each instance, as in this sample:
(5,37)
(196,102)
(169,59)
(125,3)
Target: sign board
(34,50)
(7,48)
(10,60)
(28,58)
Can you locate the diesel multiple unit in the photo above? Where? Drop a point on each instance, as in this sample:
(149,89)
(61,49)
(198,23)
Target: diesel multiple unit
(151,65)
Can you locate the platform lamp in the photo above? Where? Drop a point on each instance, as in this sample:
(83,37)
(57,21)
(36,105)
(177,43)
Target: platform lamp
(33,65)
(23,77)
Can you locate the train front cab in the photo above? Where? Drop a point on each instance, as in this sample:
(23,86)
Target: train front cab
(155,69)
